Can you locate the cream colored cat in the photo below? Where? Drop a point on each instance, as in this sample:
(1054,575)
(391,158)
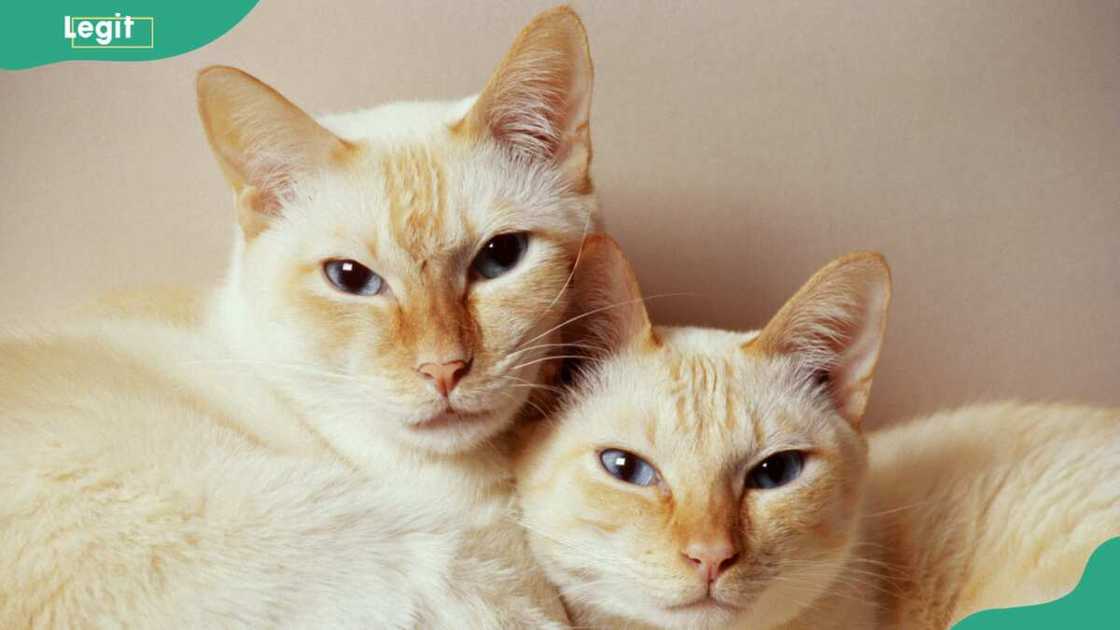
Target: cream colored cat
(331,448)
(710,479)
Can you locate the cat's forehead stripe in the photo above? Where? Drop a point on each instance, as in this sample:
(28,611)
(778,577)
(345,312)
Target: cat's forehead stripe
(416,190)
(703,391)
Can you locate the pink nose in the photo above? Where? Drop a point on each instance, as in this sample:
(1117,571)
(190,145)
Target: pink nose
(445,375)
(711,559)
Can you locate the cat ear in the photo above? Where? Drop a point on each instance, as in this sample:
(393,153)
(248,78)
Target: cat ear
(537,104)
(262,141)
(833,327)
(611,309)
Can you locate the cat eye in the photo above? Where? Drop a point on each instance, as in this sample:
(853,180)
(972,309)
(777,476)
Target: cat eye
(351,276)
(500,254)
(776,470)
(628,467)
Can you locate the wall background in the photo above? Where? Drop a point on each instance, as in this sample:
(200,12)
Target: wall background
(738,147)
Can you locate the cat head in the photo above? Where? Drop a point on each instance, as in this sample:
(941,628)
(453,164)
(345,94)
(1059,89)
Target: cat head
(698,478)
(398,269)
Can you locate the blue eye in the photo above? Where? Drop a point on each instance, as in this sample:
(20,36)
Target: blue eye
(500,254)
(776,470)
(628,467)
(351,276)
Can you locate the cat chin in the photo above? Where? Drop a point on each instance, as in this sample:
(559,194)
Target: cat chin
(697,617)
(701,616)
(614,606)
(449,433)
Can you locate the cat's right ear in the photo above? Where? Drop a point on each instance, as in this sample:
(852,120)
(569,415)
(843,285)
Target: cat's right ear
(612,314)
(833,329)
(263,142)
(537,104)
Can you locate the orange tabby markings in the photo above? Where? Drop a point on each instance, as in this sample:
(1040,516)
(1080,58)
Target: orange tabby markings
(416,192)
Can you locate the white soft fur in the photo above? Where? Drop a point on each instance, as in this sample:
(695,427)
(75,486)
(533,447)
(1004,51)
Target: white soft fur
(147,485)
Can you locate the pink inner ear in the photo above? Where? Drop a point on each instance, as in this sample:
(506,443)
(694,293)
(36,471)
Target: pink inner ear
(540,94)
(605,288)
(834,326)
(526,117)
(263,141)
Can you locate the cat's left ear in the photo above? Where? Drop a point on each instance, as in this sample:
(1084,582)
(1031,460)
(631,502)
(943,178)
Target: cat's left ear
(537,104)
(264,143)
(833,328)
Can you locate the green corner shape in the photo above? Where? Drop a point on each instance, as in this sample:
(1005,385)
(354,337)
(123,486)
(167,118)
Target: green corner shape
(41,32)
(1093,605)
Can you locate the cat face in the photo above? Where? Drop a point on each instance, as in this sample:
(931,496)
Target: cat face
(700,478)
(398,270)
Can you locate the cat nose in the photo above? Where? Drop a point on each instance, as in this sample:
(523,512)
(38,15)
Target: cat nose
(445,376)
(711,559)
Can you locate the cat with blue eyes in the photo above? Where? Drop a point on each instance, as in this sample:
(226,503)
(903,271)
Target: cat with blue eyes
(325,441)
(700,478)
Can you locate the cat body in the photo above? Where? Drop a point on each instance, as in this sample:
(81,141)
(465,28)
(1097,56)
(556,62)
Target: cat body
(709,479)
(991,506)
(325,441)
(148,484)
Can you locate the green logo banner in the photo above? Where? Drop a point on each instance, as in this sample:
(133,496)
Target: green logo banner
(48,32)
(1091,606)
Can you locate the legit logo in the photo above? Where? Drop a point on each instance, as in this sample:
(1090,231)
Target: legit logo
(110,32)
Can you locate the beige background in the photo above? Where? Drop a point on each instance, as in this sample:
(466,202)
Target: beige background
(739,146)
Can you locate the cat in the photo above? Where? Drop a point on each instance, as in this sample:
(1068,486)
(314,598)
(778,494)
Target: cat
(703,478)
(396,293)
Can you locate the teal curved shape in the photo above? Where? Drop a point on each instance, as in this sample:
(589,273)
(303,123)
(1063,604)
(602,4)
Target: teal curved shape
(44,32)
(1092,605)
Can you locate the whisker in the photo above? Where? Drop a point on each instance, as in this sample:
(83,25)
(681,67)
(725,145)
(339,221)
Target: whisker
(527,401)
(624,564)
(575,265)
(595,311)
(567,281)
(586,346)
(553,358)
(898,509)
(520,382)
